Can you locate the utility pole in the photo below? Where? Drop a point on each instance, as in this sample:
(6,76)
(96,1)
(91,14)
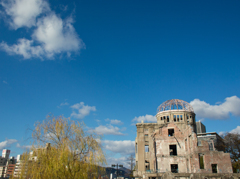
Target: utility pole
(113,165)
(131,161)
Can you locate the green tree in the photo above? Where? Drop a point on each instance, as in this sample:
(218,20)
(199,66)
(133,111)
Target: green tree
(63,149)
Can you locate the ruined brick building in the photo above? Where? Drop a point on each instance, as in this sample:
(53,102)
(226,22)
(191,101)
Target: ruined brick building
(177,144)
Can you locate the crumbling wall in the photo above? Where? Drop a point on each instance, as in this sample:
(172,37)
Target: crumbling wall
(163,141)
(222,160)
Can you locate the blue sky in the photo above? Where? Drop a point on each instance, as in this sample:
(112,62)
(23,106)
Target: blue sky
(112,63)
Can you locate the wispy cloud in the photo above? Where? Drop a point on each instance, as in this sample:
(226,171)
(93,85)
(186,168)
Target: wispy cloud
(146,118)
(107,130)
(125,147)
(114,121)
(231,105)
(98,121)
(5,82)
(51,35)
(25,147)
(64,104)
(7,143)
(80,110)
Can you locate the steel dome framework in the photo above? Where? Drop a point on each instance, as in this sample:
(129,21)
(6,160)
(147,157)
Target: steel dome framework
(175,104)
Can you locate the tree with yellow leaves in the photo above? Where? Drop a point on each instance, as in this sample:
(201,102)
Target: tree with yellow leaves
(62,148)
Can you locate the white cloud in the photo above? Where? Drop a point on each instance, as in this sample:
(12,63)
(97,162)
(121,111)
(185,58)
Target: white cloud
(24,12)
(107,130)
(221,111)
(125,147)
(56,35)
(236,130)
(201,120)
(146,118)
(64,104)
(25,48)
(98,121)
(25,147)
(51,35)
(80,110)
(221,133)
(7,143)
(114,121)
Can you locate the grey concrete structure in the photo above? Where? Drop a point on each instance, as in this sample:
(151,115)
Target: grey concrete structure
(172,145)
(200,127)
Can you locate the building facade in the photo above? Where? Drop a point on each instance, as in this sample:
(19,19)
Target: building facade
(3,162)
(10,167)
(177,144)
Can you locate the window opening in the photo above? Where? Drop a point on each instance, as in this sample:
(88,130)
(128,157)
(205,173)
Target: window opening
(190,116)
(173,149)
(147,166)
(155,145)
(161,118)
(146,135)
(146,148)
(164,117)
(210,145)
(181,117)
(187,116)
(214,168)
(136,149)
(167,118)
(170,132)
(201,161)
(174,118)
(174,168)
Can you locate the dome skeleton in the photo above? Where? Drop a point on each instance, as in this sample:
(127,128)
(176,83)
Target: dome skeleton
(175,104)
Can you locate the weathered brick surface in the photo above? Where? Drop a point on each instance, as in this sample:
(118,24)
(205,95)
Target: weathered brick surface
(156,136)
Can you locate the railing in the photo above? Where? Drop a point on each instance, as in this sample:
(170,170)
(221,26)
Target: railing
(174,170)
(207,134)
(153,171)
(136,173)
